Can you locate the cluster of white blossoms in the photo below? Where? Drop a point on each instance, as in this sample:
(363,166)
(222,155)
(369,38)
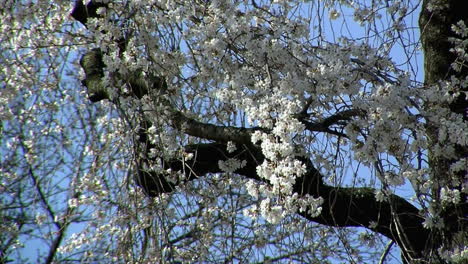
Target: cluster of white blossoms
(457,255)
(450,196)
(282,174)
(275,211)
(231,165)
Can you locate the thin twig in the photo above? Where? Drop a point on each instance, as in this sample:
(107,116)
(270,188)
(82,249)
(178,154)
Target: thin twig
(387,250)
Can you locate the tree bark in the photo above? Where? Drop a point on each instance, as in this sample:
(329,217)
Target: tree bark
(436,35)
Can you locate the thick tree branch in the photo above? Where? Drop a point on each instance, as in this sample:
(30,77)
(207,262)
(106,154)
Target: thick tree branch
(344,207)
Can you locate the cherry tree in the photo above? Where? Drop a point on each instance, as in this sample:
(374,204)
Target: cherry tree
(234,131)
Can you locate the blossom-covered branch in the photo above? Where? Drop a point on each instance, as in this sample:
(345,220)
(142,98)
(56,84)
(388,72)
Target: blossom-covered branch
(344,207)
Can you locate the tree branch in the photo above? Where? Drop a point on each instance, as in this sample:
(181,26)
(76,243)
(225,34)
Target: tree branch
(343,207)
(324,125)
(92,65)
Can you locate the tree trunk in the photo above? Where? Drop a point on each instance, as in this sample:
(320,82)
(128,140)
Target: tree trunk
(439,58)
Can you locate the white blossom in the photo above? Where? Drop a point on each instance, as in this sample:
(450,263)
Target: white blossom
(450,195)
(231,165)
